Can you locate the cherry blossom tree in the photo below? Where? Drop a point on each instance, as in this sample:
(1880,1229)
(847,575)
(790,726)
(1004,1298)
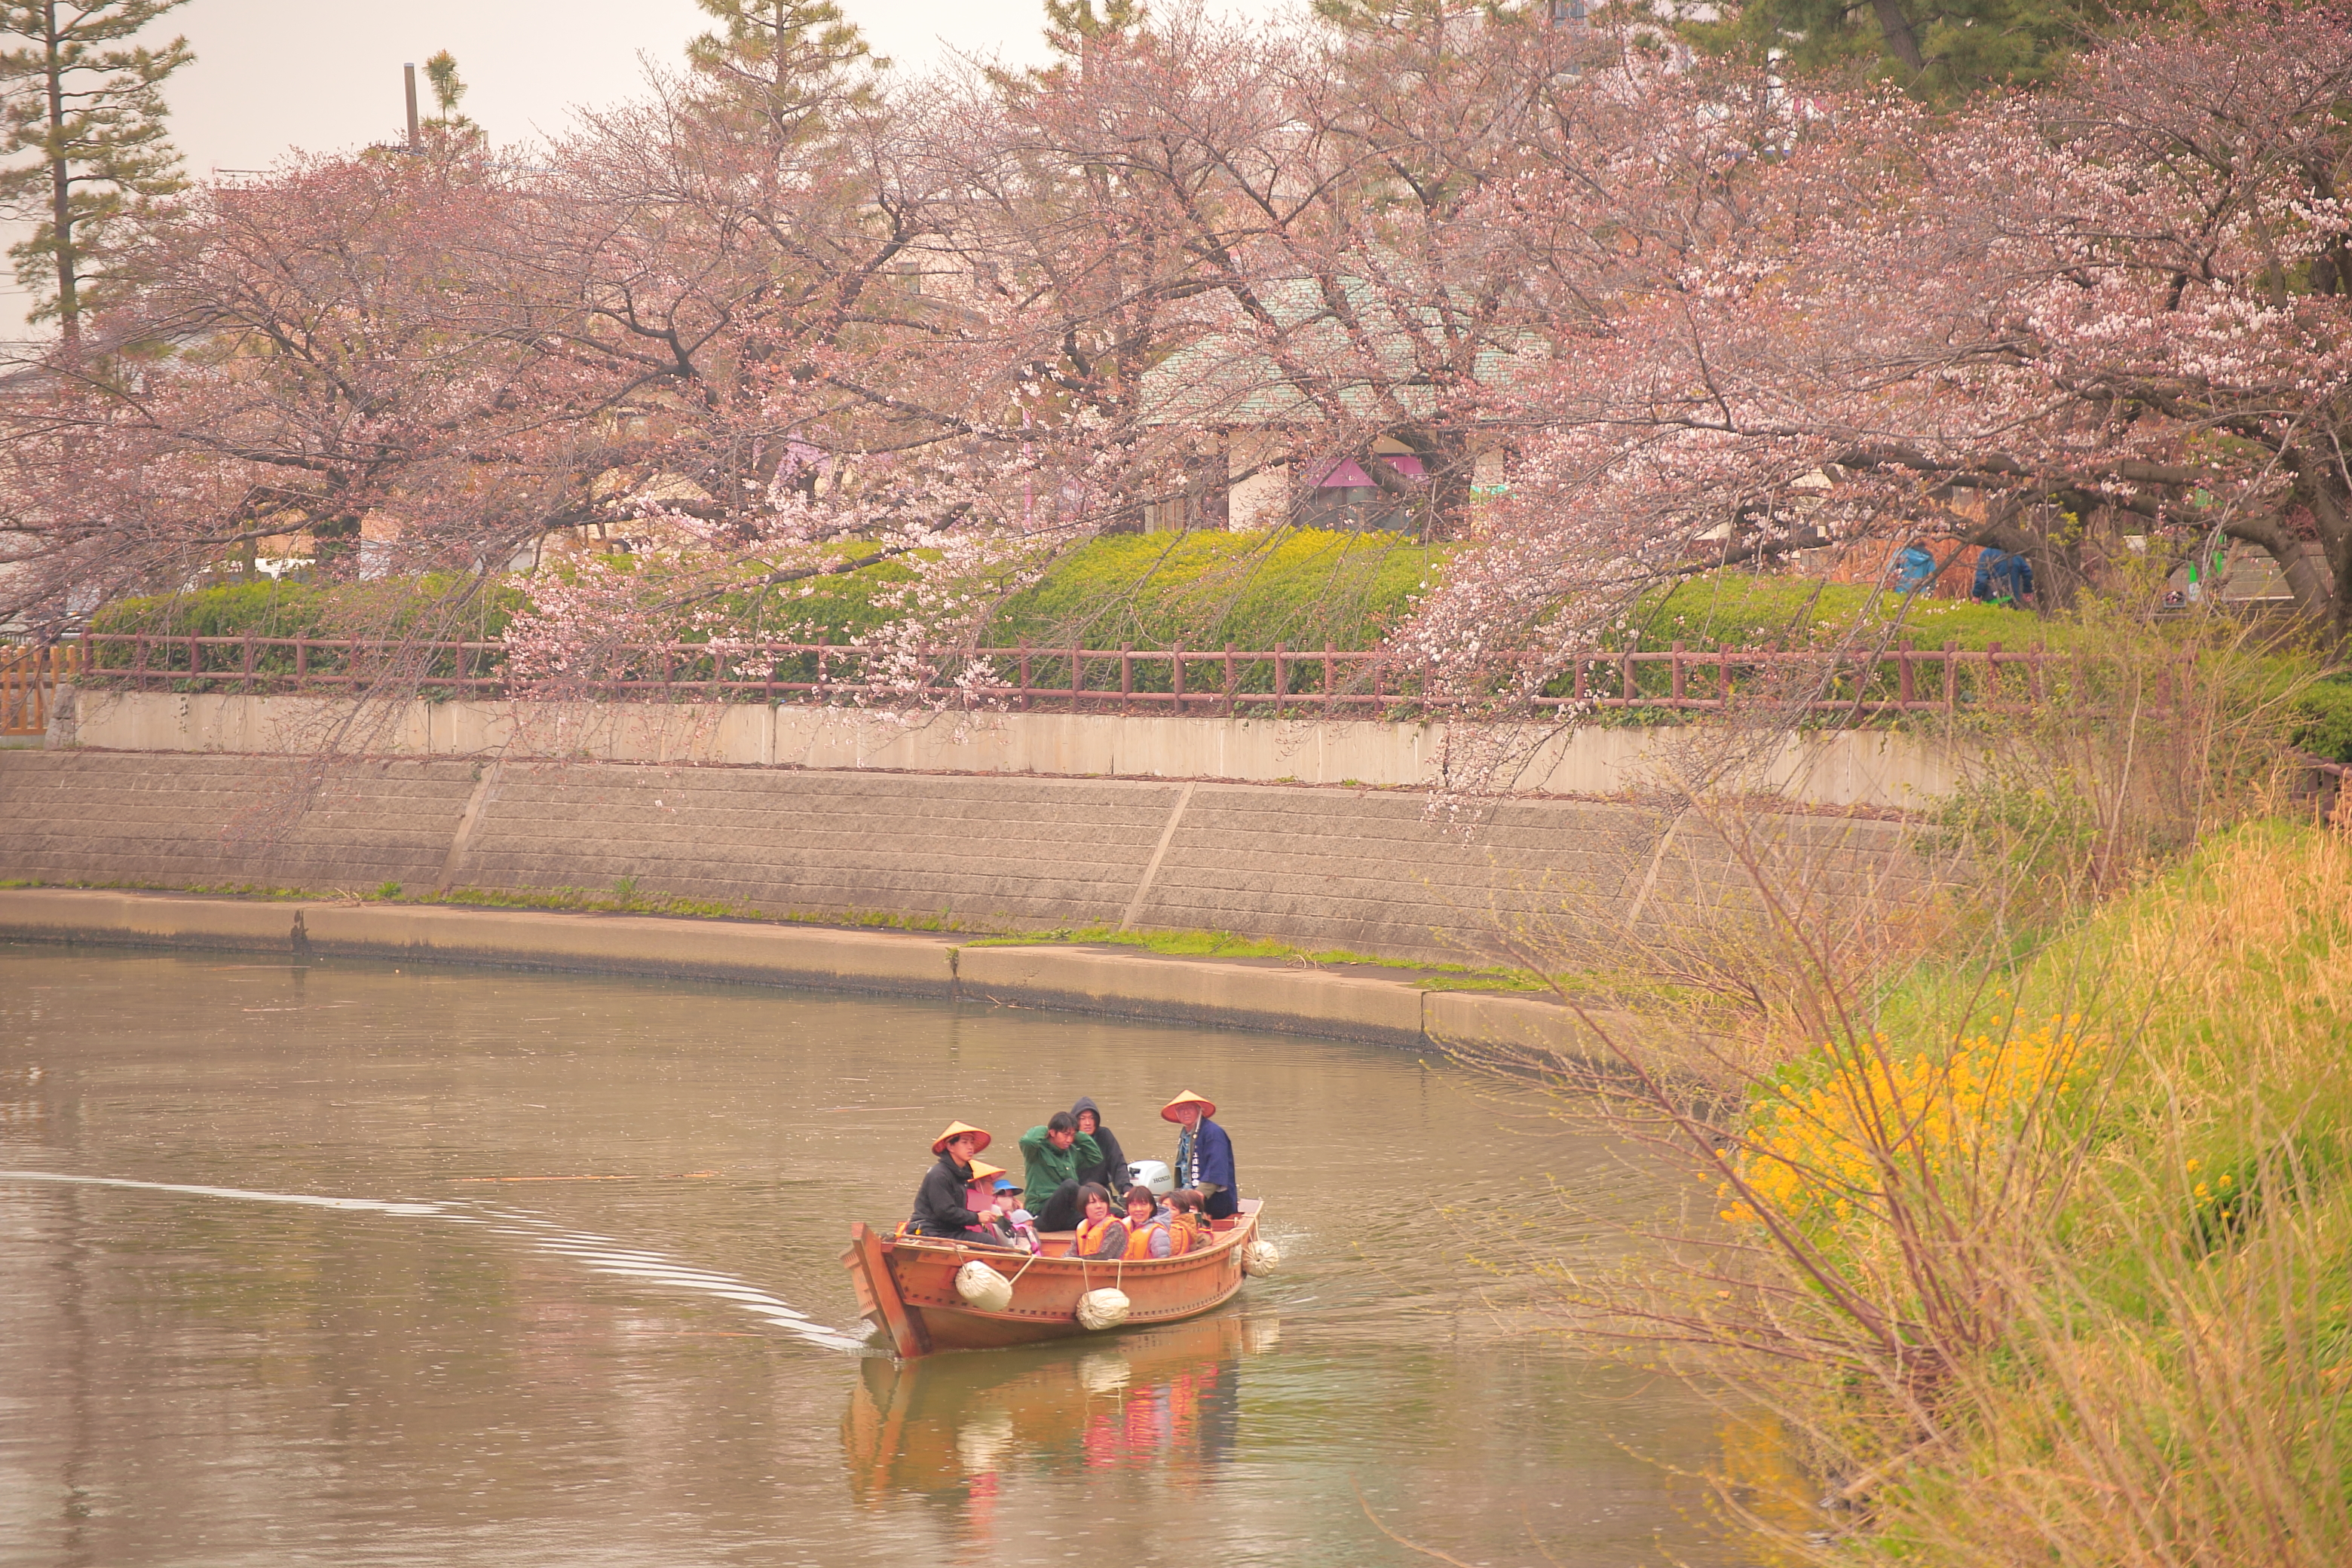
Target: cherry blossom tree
(343,343)
(2122,298)
(780,319)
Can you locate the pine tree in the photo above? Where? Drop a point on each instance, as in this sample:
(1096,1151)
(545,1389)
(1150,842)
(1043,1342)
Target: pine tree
(788,67)
(87,104)
(1936,48)
(1070,24)
(441,73)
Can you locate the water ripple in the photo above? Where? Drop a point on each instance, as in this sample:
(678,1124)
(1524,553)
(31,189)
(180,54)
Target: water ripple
(597,1254)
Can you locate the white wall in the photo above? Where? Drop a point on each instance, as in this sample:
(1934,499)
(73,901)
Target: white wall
(1871,769)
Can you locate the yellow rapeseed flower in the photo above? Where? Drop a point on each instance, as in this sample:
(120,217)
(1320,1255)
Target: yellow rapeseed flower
(1817,1153)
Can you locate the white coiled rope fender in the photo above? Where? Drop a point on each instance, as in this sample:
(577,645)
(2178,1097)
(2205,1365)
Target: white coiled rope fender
(1103,1308)
(1260,1258)
(1106,1308)
(983,1287)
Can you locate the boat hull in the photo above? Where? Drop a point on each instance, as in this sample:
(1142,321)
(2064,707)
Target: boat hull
(906,1288)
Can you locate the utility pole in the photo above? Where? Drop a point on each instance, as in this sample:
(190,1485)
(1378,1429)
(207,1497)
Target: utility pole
(409,72)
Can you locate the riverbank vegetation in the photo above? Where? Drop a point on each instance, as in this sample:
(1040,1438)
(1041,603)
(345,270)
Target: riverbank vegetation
(2019,1183)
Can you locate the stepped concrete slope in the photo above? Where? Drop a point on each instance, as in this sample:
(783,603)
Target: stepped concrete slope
(1358,870)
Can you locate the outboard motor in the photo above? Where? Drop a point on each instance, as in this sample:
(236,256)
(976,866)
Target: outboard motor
(1155,1174)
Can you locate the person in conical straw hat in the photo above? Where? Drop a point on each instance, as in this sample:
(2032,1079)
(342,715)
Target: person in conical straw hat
(940,1208)
(1204,1154)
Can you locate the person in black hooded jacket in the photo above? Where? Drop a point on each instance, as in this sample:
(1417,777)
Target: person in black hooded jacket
(939,1207)
(1113,1173)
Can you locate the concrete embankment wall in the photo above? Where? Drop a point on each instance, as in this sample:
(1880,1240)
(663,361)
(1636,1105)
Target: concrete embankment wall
(1357,1003)
(1837,769)
(1360,869)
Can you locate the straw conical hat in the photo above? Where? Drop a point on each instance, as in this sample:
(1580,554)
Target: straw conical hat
(957,1129)
(981,1171)
(1208,1107)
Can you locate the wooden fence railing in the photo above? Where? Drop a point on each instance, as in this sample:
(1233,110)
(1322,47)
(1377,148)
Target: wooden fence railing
(28,682)
(1281,681)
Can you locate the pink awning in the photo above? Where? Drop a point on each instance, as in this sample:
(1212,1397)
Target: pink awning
(1349,474)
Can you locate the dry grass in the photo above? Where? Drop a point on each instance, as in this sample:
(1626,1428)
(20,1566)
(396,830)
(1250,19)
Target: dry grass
(2021,1201)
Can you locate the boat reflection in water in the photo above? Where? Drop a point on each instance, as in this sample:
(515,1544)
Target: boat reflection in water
(955,1429)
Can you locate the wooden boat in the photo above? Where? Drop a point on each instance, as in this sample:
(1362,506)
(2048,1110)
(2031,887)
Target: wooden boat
(906,1286)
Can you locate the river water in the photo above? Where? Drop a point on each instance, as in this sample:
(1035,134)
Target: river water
(356,1263)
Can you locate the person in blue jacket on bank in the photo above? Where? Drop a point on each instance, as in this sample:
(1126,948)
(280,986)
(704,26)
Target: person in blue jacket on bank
(1204,1154)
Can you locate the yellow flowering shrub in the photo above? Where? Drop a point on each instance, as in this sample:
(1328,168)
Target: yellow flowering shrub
(1818,1153)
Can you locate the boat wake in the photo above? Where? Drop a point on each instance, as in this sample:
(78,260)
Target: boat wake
(596,1254)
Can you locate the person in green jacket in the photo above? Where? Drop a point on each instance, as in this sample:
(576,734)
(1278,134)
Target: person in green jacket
(1057,1152)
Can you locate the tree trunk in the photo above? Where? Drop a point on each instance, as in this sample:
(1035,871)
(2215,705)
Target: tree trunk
(1901,40)
(2316,598)
(60,180)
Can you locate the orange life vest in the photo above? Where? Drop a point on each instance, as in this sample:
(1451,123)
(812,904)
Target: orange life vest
(1138,1242)
(1090,1234)
(1185,1232)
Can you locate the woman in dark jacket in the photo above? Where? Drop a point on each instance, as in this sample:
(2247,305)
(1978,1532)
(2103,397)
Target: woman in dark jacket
(939,1206)
(1113,1173)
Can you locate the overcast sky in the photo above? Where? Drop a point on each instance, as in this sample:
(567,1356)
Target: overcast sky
(324,75)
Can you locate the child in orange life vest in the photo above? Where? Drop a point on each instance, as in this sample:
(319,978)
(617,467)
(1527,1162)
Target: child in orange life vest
(1188,1227)
(1102,1234)
(1147,1226)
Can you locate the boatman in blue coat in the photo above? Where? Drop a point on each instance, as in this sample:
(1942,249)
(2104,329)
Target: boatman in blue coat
(1204,1155)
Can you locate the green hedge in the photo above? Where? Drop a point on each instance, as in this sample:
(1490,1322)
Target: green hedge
(445,608)
(437,608)
(2326,706)
(1734,609)
(1301,588)
(1155,592)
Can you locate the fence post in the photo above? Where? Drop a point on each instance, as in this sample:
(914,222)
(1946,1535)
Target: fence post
(824,661)
(1127,678)
(1024,675)
(1903,685)
(1951,678)
(1676,670)
(1229,680)
(1992,677)
(1278,680)
(139,662)
(1078,675)
(1176,660)
(1625,666)
(1327,679)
